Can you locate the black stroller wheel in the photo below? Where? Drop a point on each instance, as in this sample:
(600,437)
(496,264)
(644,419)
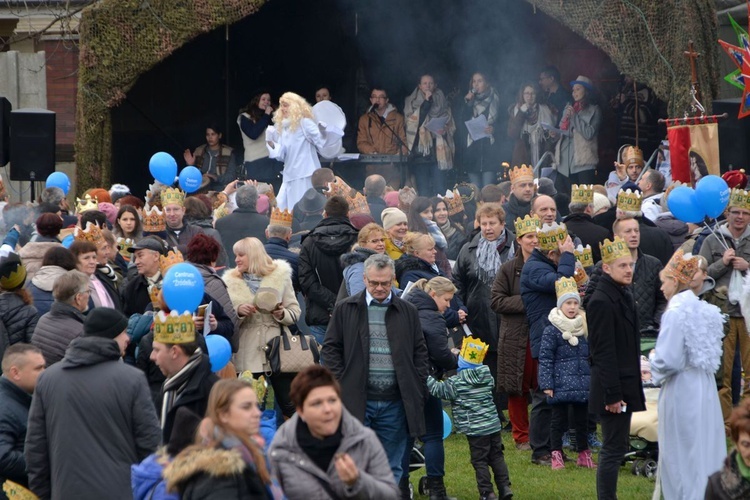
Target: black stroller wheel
(649,469)
(637,467)
(423,489)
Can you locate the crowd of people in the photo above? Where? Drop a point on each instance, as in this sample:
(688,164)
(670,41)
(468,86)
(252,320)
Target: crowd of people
(529,306)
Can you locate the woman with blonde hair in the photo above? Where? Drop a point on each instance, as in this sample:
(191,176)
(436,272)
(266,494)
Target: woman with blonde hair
(293,139)
(228,460)
(262,294)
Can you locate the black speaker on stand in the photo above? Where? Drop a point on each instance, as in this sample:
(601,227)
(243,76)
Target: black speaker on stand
(32,145)
(5,108)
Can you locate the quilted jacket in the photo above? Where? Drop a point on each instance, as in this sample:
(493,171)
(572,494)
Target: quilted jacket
(564,368)
(19,318)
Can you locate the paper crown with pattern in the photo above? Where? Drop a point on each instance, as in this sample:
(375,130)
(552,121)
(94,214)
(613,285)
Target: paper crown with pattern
(122,247)
(338,187)
(153,220)
(529,224)
(174,328)
(629,201)
(550,235)
(358,204)
(92,233)
(584,255)
(281,217)
(474,350)
(453,202)
(582,193)
(564,286)
(580,274)
(632,155)
(154,293)
(739,198)
(86,203)
(166,261)
(682,267)
(15,491)
(522,173)
(221,211)
(173,196)
(613,250)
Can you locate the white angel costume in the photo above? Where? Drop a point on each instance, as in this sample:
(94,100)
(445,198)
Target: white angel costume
(692,445)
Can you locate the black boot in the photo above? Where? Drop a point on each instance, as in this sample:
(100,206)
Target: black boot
(505,492)
(437,489)
(405,488)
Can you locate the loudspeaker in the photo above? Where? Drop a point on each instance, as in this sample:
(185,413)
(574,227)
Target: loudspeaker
(734,146)
(32,144)
(5,108)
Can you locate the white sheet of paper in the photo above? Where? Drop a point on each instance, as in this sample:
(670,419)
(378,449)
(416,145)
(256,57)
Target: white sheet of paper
(547,126)
(348,157)
(436,124)
(476,127)
(206,323)
(407,289)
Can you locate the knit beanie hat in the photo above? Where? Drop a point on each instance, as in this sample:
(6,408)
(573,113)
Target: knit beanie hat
(567,296)
(391,199)
(117,191)
(566,289)
(466,365)
(110,211)
(104,322)
(12,270)
(600,202)
(392,216)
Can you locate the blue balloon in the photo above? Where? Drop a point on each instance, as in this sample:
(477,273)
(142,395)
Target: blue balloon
(684,205)
(712,193)
(163,167)
(219,351)
(447,425)
(190,179)
(68,240)
(183,288)
(60,180)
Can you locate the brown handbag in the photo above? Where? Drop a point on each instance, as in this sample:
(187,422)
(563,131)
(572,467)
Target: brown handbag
(289,353)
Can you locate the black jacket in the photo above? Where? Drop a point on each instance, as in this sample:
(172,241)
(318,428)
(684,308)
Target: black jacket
(56,330)
(614,348)
(514,208)
(649,299)
(435,333)
(320,271)
(377,205)
(135,297)
(14,413)
(19,318)
(346,353)
(590,233)
(475,294)
(242,223)
(654,241)
(277,248)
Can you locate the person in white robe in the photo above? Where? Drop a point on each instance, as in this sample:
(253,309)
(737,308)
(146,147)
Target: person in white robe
(692,445)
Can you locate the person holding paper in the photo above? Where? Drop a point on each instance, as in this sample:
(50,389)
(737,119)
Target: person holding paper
(479,159)
(429,134)
(525,126)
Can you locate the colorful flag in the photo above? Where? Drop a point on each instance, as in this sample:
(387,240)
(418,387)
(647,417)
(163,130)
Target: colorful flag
(693,148)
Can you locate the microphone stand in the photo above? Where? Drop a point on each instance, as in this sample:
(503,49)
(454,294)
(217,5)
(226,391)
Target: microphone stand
(401,146)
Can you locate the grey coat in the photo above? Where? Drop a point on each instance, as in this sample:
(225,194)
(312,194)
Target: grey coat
(91,418)
(301,478)
(713,251)
(56,330)
(217,289)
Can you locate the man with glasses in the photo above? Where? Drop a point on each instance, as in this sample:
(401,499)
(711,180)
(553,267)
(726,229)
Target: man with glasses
(553,95)
(727,251)
(375,348)
(381,132)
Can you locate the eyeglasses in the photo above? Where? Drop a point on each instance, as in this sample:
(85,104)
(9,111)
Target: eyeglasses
(380,284)
(377,240)
(738,213)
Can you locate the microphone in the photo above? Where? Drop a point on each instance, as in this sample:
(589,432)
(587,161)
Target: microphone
(474,91)
(382,118)
(372,106)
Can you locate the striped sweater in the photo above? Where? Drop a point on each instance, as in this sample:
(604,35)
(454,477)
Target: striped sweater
(470,393)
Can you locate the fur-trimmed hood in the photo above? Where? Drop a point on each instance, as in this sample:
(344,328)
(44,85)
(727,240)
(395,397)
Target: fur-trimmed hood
(216,462)
(241,294)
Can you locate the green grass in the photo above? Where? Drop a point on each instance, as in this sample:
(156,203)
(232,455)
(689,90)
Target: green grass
(531,481)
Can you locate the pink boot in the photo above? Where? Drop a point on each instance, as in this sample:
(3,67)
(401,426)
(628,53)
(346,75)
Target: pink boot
(557,460)
(585,460)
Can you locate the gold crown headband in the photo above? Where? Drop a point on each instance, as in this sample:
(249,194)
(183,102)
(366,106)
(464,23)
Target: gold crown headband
(87,203)
(474,350)
(453,202)
(564,286)
(584,255)
(174,328)
(551,235)
(172,196)
(613,250)
(529,224)
(153,220)
(281,217)
(681,267)
(166,261)
(522,173)
(739,198)
(629,201)
(583,193)
(92,233)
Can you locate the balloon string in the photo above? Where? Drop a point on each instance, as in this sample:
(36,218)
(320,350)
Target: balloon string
(719,236)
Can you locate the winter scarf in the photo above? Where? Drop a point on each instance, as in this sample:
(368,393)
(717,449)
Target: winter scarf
(436,233)
(488,258)
(447,229)
(571,328)
(175,384)
(233,443)
(252,281)
(577,107)
(536,115)
(488,104)
(444,146)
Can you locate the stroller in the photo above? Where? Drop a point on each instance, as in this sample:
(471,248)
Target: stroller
(644,444)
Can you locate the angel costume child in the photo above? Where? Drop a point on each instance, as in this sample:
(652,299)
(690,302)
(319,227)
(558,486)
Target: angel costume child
(688,352)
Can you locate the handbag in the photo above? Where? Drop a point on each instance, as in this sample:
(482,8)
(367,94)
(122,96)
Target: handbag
(289,353)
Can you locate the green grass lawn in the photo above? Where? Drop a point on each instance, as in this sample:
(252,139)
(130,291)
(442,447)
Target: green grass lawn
(531,481)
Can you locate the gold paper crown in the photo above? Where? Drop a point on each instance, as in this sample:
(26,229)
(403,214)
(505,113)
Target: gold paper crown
(453,202)
(582,193)
(474,350)
(174,328)
(613,250)
(122,246)
(338,187)
(87,203)
(629,201)
(584,255)
(529,224)
(739,198)
(551,235)
(15,491)
(169,260)
(631,155)
(92,233)
(172,196)
(565,285)
(682,268)
(221,211)
(358,204)
(154,293)
(522,173)
(153,220)
(281,217)
(580,274)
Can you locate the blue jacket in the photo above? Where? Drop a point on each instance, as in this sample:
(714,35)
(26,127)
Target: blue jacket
(147,481)
(564,368)
(435,332)
(538,291)
(276,248)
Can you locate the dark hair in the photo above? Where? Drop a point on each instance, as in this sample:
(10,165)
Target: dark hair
(379,87)
(79,248)
(48,208)
(322,86)
(95,217)
(202,249)
(337,206)
(61,257)
(519,97)
(252,108)
(49,225)
(310,378)
(657,180)
(195,209)
(213,125)
(700,162)
(491,193)
(551,71)
(321,177)
(739,420)
(131,200)
(131,210)
(419,205)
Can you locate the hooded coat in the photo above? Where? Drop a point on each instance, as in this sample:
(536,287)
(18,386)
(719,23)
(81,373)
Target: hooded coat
(41,285)
(19,318)
(14,414)
(435,332)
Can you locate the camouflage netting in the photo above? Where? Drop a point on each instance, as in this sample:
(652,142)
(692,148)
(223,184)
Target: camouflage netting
(646,39)
(119,41)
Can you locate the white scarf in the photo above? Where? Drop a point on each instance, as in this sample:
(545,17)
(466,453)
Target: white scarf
(571,328)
